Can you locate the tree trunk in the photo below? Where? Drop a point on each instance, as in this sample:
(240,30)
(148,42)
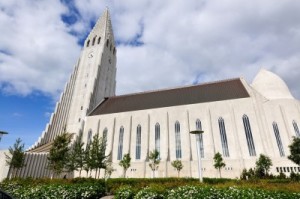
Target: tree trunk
(177,174)
(80,173)
(124,173)
(96,173)
(99,173)
(220,173)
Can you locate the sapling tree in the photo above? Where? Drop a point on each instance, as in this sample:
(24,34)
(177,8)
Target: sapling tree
(16,157)
(295,150)
(177,164)
(125,163)
(154,161)
(58,155)
(263,165)
(218,162)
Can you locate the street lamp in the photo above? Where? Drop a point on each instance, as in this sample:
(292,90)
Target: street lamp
(197,134)
(2,133)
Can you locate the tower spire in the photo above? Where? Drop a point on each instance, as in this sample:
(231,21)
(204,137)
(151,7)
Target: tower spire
(103,28)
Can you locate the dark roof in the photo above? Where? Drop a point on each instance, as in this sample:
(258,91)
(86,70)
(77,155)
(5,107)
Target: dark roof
(209,92)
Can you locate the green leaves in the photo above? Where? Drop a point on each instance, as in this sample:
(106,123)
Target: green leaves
(154,160)
(263,165)
(16,156)
(295,150)
(58,155)
(125,162)
(219,162)
(177,164)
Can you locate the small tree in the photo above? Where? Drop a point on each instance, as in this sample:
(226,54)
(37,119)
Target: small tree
(16,158)
(263,165)
(87,159)
(177,164)
(102,159)
(125,163)
(219,164)
(58,154)
(94,151)
(79,153)
(76,156)
(154,161)
(295,150)
(108,171)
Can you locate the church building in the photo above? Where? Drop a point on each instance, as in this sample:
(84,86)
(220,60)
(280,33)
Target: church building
(239,120)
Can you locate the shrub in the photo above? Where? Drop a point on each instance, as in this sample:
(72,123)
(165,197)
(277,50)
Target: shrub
(74,191)
(295,176)
(148,193)
(124,192)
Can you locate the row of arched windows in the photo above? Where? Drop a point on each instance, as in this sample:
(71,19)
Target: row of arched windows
(110,46)
(178,151)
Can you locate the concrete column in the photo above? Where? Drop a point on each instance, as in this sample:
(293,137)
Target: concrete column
(237,140)
(286,124)
(190,144)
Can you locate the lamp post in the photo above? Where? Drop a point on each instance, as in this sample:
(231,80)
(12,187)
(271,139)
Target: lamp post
(2,133)
(197,134)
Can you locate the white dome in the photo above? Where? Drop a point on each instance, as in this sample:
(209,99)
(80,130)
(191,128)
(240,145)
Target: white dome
(271,86)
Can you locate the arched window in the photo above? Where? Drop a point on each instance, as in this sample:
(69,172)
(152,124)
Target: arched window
(88,43)
(99,40)
(249,137)
(295,125)
(94,39)
(104,138)
(138,142)
(120,145)
(114,51)
(200,136)
(278,139)
(105,135)
(223,137)
(107,42)
(89,138)
(177,140)
(157,137)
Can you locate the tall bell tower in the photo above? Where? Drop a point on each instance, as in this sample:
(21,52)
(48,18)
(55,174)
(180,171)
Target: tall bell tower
(96,73)
(93,79)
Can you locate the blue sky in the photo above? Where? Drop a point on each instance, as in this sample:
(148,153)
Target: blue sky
(187,41)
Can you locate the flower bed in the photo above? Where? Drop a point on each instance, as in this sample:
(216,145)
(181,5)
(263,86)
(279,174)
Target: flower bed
(45,191)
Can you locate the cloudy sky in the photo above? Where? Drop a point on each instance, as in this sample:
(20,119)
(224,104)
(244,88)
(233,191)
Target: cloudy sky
(160,44)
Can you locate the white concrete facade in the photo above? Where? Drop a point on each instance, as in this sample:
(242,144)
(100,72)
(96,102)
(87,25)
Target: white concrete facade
(268,106)
(261,112)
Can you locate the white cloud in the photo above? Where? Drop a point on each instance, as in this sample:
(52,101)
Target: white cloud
(184,42)
(37,52)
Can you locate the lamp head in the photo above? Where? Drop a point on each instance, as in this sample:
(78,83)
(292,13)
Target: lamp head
(3,133)
(197,132)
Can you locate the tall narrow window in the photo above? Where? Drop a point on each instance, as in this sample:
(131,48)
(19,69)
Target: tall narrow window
(107,42)
(199,127)
(104,138)
(223,137)
(157,137)
(88,43)
(94,39)
(249,137)
(89,138)
(177,140)
(278,139)
(105,135)
(138,142)
(99,39)
(295,125)
(120,145)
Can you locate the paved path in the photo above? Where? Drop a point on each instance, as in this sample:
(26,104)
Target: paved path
(107,197)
